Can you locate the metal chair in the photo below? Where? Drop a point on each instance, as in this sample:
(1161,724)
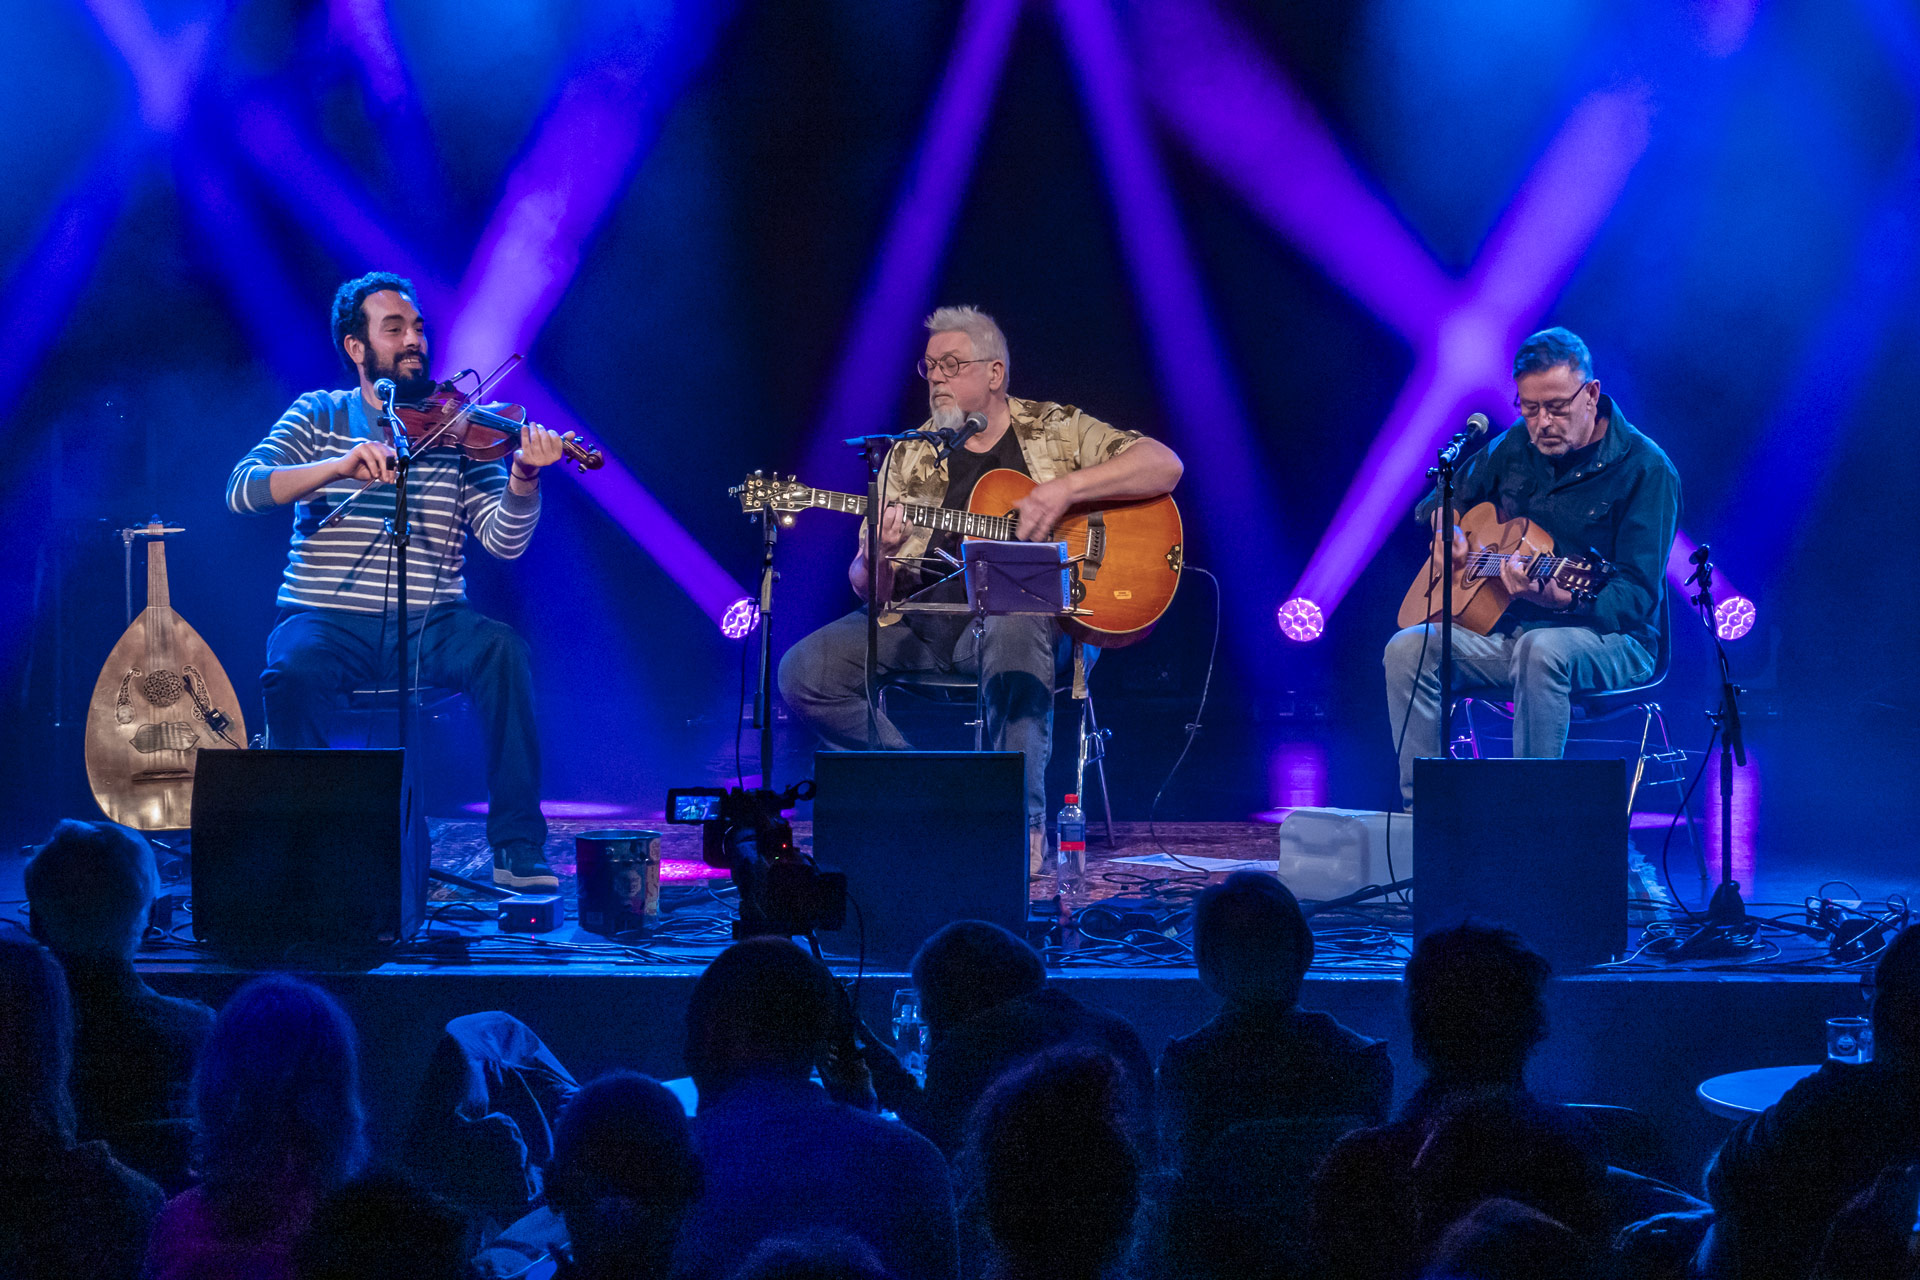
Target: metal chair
(1603,707)
(953,689)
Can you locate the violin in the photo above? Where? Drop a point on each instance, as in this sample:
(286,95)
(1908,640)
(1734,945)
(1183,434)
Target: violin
(484,432)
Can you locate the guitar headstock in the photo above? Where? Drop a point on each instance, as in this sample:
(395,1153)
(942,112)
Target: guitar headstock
(759,492)
(1584,575)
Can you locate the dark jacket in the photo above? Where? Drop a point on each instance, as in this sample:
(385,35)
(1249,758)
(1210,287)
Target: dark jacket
(1622,502)
(1267,1063)
(133,1057)
(1781,1176)
(964,1061)
(71,1212)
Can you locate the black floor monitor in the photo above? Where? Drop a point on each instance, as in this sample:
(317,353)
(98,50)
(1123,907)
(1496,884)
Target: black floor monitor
(925,838)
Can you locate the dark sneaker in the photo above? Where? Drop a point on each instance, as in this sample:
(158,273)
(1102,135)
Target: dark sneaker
(521,866)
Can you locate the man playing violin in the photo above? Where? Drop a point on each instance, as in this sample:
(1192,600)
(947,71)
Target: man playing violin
(1585,475)
(1074,457)
(334,632)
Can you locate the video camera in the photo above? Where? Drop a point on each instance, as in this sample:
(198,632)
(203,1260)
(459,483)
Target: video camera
(782,891)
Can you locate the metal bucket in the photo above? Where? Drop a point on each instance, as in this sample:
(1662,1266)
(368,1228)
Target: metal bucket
(617,874)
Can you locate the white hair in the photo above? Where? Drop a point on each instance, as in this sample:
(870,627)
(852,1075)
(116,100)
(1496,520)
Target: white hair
(988,342)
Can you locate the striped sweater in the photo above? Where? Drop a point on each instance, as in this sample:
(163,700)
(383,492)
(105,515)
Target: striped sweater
(346,566)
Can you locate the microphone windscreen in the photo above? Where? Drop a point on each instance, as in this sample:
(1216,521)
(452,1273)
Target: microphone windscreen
(977,420)
(1477,424)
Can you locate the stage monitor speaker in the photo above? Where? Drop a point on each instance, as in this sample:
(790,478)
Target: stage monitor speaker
(1539,845)
(925,838)
(306,853)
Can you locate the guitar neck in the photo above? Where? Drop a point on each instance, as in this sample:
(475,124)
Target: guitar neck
(1486,564)
(940,519)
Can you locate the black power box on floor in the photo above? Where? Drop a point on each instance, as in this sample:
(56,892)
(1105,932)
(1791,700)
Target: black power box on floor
(925,838)
(303,852)
(1539,845)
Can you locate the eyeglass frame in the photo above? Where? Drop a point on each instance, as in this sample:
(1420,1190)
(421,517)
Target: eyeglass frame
(926,367)
(1545,407)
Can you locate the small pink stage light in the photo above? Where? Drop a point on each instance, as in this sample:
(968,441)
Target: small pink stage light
(1733,617)
(1301,620)
(741,617)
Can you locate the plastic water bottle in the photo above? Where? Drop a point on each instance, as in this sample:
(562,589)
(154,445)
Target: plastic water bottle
(1070,848)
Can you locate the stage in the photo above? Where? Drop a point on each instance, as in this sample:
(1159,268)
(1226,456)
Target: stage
(1642,1035)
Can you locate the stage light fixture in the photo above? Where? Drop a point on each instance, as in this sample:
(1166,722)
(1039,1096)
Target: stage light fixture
(741,617)
(1733,617)
(1301,620)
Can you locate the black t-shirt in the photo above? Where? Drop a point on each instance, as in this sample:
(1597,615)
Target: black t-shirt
(964,469)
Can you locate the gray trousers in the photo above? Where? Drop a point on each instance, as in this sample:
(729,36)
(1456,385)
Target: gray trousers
(823,679)
(1542,667)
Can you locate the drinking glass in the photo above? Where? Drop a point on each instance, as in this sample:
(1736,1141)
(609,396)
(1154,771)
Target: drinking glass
(1849,1040)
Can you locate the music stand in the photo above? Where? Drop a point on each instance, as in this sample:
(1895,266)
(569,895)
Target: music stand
(1004,578)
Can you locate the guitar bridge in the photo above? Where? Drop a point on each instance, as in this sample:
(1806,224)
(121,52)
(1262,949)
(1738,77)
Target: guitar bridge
(1096,546)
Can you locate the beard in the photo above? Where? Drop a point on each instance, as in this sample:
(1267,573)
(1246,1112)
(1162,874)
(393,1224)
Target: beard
(409,387)
(947,418)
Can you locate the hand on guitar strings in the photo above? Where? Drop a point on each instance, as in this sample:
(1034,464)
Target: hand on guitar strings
(1546,592)
(1041,509)
(893,529)
(368,461)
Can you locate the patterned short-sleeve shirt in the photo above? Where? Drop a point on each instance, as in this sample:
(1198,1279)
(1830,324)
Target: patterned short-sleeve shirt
(1054,439)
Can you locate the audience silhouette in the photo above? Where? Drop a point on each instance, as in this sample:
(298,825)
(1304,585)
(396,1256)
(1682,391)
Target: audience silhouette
(623,1176)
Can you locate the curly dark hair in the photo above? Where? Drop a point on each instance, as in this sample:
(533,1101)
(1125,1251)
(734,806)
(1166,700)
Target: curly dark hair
(1476,1000)
(350,312)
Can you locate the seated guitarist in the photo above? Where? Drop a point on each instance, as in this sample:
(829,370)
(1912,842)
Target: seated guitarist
(1074,458)
(1595,483)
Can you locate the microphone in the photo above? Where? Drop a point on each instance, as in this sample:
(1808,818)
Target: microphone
(1700,554)
(1475,428)
(952,437)
(1477,425)
(973,426)
(385,389)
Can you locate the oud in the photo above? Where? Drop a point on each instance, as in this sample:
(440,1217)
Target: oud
(160,699)
(1126,556)
(1479,596)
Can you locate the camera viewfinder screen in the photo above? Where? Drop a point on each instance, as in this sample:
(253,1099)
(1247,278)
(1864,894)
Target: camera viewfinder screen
(696,808)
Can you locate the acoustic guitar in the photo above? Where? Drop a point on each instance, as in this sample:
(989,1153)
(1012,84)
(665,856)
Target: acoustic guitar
(161,698)
(1126,556)
(1479,596)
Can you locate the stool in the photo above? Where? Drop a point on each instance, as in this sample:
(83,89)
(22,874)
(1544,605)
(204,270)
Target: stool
(953,689)
(443,750)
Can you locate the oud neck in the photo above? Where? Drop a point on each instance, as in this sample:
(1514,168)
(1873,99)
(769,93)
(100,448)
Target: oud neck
(157,597)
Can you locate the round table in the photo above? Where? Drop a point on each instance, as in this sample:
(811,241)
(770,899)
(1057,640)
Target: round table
(1739,1094)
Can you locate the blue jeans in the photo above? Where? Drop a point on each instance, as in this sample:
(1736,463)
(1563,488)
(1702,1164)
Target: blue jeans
(316,655)
(1541,666)
(824,681)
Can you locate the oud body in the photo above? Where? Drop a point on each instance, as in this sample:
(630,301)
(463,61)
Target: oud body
(1480,598)
(161,698)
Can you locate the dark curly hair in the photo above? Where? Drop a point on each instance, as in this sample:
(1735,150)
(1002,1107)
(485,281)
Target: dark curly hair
(350,312)
(1476,1000)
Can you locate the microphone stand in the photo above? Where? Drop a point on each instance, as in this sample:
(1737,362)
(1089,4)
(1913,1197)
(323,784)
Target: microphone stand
(763,692)
(1726,914)
(400,530)
(1443,470)
(875,449)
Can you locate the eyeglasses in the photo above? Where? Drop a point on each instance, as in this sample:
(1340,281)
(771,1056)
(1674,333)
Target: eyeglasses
(1561,408)
(949,365)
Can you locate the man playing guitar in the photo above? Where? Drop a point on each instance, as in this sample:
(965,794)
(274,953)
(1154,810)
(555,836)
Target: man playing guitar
(1587,477)
(334,632)
(1073,457)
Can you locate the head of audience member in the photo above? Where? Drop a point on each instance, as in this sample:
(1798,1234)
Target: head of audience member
(815,1255)
(624,1174)
(1251,941)
(90,887)
(1476,1004)
(381,1226)
(1506,1240)
(276,1100)
(763,1009)
(1501,1145)
(970,967)
(1052,1168)
(1896,1002)
(36,1047)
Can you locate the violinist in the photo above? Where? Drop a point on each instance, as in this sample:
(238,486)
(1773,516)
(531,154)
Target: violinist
(334,631)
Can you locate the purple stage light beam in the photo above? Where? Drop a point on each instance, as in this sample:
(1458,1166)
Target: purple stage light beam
(362,25)
(886,332)
(580,161)
(1193,372)
(164,67)
(1256,131)
(318,193)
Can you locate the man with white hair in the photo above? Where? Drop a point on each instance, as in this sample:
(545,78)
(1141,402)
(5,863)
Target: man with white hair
(1072,458)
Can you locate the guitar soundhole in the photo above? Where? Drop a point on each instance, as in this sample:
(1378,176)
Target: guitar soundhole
(163,688)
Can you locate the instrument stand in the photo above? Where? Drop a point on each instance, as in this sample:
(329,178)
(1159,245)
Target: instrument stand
(1726,914)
